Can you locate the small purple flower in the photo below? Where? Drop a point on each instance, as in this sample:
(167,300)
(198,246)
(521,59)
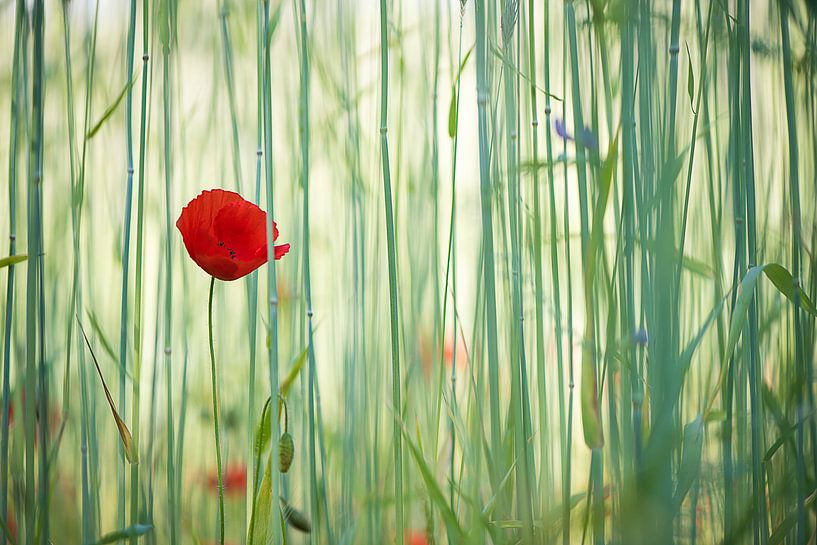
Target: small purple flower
(561,129)
(641,338)
(588,139)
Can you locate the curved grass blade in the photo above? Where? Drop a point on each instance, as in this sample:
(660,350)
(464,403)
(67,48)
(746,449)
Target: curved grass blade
(112,107)
(783,281)
(591,416)
(124,432)
(452,108)
(12,260)
(455,531)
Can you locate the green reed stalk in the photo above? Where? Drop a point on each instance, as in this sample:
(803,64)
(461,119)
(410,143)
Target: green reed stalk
(556,293)
(137,317)
(730,462)
(589,390)
(486,202)
(392,260)
(451,271)
(167,36)
(314,400)
(760,522)
(578,122)
(33,269)
(571,384)
(44,471)
(672,103)
(794,195)
(272,290)
(544,456)
(357,373)
(126,239)
(76,291)
(227,54)
(519,404)
(14,138)
(89,397)
(252,279)
(628,317)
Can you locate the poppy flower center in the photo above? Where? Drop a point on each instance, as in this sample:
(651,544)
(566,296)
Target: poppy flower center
(229,250)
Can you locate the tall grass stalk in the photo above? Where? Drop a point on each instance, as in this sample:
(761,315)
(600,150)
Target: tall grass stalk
(126,241)
(272,290)
(14,139)
(137,315)
(167,38)
(392,263)
(313,396)
(486,204)
(796,244)
(34,358)
(520,407)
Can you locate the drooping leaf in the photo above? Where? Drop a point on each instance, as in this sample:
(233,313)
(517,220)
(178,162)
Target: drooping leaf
(783,281)
(452,108)
(136,530)
(12,260)
(259,520)
(112,107)
(297,365)
(691,82)
(124,433)
(510,66)
(262,432)
(455,531)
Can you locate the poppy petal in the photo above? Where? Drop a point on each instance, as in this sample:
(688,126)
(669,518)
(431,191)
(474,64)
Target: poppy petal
(226,235)
(240,228)
(196,220)
(219,266)
(281,250)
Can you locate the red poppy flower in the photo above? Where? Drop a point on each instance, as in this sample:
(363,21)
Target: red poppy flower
(226,235)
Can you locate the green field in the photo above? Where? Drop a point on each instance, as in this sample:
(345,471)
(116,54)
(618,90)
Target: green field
(551,277)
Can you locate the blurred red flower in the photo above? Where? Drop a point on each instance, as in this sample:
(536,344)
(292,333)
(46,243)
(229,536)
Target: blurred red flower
(416,537)
(235,480)
(226,235)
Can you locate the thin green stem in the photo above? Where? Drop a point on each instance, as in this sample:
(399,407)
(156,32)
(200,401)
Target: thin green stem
(392,259)
(214,377)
